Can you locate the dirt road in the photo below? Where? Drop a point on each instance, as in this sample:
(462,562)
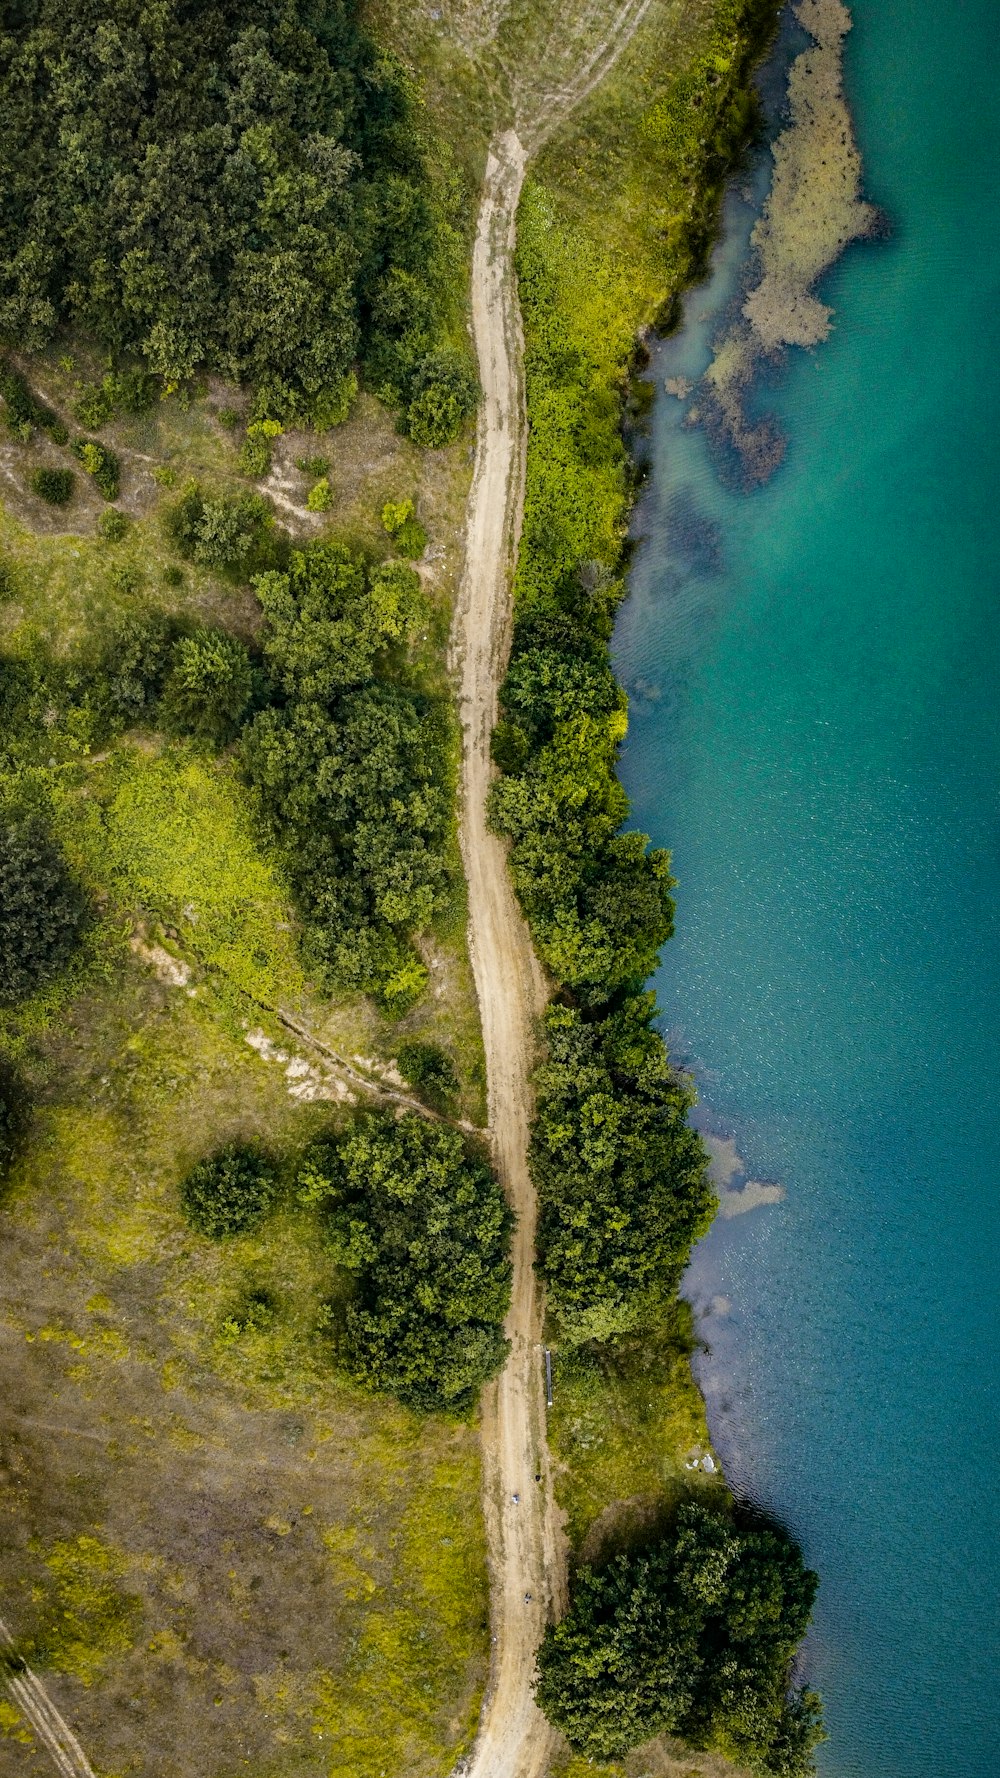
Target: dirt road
(32,1700)
(527,1548)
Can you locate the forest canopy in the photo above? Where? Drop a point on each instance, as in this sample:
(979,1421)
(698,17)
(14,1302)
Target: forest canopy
(242,188)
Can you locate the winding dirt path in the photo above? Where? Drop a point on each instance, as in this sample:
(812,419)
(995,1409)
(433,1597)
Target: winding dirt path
(526,1543)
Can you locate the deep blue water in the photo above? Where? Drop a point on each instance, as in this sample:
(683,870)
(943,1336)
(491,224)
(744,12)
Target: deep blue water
(815,732)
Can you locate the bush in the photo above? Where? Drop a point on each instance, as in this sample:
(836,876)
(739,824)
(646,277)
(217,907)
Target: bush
(425,1229)
(431,1071)
(127,668)
(130,391)
(94,406)
(209,687)
(41,910)
(23,411)
(320,496)
(399,520)
(99,461)
(113,524)
(443,394)
(229,1192)
(695,1636)
(53,485)
(255,457)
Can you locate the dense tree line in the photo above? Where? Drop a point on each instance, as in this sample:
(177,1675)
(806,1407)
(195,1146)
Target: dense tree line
(597,899)
(422,1225)
(692,1635)
(621,1177)
(239,188)
(621,1180)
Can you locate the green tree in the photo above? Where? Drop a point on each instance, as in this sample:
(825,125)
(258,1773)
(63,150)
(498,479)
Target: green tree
(209,687)
(229,1192)
(424,1227)
(693,1635)
(41,909)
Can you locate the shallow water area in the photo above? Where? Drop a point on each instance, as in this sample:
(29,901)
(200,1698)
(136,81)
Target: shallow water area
(815,732)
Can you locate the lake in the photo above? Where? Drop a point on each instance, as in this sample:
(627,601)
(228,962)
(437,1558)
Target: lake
(814,670)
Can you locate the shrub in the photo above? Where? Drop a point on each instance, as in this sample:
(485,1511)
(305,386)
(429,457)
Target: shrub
(99,461)
(229,417)
(130,666)
(314,466)
(209,687)
(53,485)
(320,496)
(172,575)
(399,520)
(443,394)
(94,406)
(431,1071)
(23,411)
(229,1192)
(333,404)
(254,458)
(693,1635)
(41,909)
(113,524)
(425,1229)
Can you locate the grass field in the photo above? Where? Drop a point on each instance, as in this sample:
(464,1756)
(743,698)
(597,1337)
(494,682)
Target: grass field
(223,1558)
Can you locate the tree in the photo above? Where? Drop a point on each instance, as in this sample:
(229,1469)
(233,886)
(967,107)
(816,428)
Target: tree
(692,1635)
(622,1178)
(422,1225)
(210,685)
(41,909)
(229,1192)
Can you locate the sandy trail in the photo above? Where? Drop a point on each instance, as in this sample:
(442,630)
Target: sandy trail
(526,1543)
(35,1705)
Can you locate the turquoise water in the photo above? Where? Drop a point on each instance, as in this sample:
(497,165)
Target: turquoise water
(815,733)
